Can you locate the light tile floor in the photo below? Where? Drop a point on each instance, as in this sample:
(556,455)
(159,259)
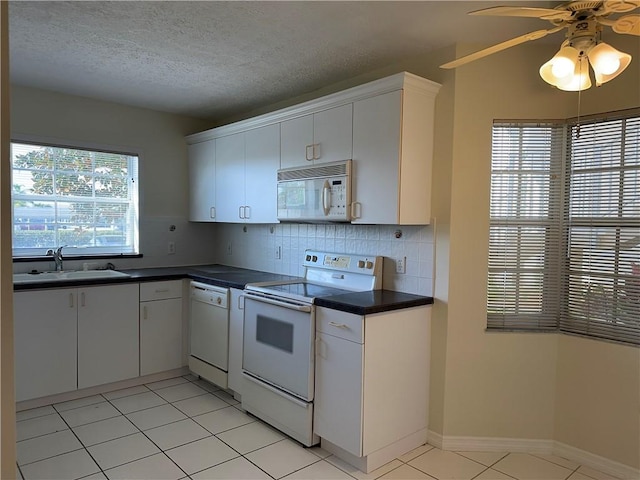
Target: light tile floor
(186,428)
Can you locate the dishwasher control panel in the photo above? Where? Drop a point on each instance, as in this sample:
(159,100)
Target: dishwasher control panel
(210,294)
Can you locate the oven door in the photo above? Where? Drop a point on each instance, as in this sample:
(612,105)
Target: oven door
(278,344)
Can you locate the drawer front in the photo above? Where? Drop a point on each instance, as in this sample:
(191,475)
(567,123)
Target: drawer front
(160,290)
(340,324)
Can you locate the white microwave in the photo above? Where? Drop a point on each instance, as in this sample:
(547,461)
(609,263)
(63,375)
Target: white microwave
(318,193)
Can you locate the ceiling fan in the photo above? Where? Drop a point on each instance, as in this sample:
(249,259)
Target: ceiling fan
(584,21)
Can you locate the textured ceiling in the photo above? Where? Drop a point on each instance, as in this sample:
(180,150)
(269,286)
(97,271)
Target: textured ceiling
(216,59)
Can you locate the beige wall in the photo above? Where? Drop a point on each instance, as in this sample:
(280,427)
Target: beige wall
(509,384)
(157,137)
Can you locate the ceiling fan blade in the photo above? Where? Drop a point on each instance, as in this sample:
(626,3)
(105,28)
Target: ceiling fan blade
(629,24)
(532,12)
(527,37)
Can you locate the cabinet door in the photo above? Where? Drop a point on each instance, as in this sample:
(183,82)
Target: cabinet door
(236,325)
(338,396)
(202,178)
(45,342)
(262,157)
(160,335)
(333,134)
(230,178)
(376,158)
(296,136)
(108,348)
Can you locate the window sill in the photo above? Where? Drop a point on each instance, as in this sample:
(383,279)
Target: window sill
(105,256)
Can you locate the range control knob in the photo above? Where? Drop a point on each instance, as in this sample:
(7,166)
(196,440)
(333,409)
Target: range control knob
(314,258)
(369,265)
(307,258)
(360,263)
(218,300)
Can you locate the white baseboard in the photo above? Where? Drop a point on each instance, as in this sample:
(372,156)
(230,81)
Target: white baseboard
(524,445)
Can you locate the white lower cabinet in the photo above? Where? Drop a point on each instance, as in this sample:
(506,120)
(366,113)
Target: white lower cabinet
(107,334)
(372,383)
(45,342)
(70,338)
(161,336)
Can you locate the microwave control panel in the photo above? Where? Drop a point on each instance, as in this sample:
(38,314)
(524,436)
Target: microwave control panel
(339,201)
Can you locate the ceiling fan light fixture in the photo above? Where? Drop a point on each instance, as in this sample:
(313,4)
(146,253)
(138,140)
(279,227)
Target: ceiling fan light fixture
(560,69)
(579,80)
(607,62)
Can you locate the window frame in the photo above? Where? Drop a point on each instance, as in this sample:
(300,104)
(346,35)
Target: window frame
(132,249)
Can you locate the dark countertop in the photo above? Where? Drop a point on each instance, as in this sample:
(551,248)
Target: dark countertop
(360,303)
(376,301)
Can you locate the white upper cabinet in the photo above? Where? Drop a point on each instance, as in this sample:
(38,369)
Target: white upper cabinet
(385,126)
(392,157)
(317,138)
(229,178)
(246,167)
(202,178)
(262,157)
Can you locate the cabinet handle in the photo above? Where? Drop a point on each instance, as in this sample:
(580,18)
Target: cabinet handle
(306,153)
(241,302)
(162,290)
(338,325)
(241,211)
(247,212)
(82,299)
(212,212)
(71,300)
(321,350)
(356,210)
(316,147)
(144,312)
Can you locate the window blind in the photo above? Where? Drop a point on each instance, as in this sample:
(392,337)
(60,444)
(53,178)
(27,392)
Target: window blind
(85,200)
(564,246)
(603,230)
(525,227)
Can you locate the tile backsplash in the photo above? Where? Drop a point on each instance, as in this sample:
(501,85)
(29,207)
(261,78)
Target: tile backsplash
(259,246)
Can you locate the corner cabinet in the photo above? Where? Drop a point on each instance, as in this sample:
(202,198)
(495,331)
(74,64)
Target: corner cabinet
(385,126)
(365,365)
(202,181)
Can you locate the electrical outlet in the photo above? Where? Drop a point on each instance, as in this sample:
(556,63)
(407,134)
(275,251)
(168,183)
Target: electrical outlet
(229,248)
(278,252)
(401,265)
(171,248)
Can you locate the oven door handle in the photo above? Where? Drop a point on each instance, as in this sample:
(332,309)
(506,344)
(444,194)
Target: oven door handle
(279,303)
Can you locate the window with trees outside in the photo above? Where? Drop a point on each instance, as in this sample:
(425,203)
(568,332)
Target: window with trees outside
(84,200)
(564,242)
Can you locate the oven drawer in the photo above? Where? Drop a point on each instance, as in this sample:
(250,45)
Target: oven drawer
(340,324)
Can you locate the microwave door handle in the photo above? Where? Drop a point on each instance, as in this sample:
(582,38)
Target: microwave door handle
(326,198)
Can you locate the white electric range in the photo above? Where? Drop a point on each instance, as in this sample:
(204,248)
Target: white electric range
(278,359)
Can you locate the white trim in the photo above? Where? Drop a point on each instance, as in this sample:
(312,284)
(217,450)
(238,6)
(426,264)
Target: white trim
(533,446)
(377,87)
(588,459)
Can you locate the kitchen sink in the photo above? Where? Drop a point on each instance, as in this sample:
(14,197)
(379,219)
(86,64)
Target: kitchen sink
(66,275)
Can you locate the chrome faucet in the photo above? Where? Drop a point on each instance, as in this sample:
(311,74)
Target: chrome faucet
(57,257)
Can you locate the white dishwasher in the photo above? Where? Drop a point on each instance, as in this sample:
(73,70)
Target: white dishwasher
(209,332)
